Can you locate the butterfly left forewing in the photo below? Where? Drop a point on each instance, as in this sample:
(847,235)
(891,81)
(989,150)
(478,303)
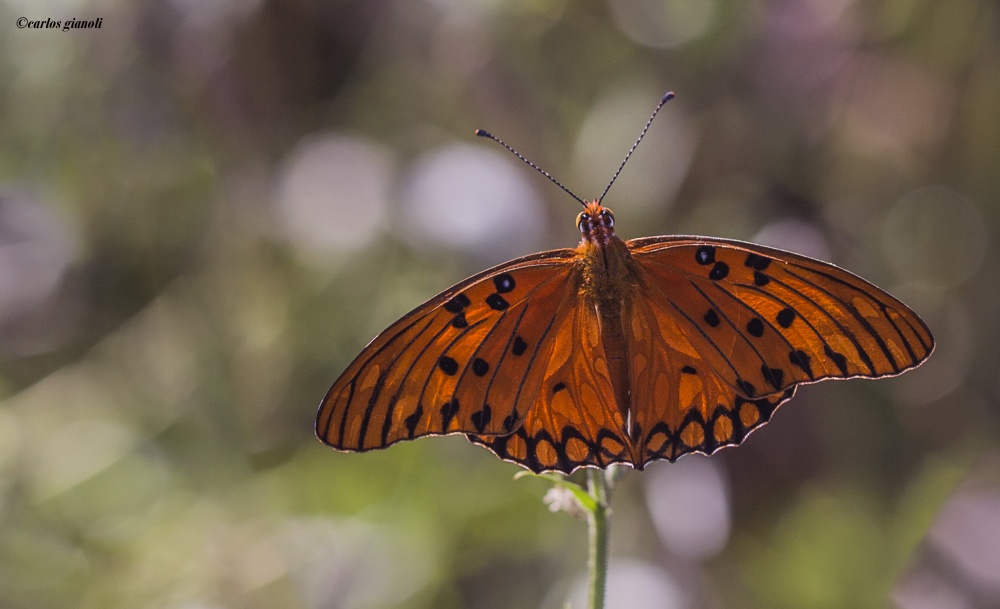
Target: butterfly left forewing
(461,362)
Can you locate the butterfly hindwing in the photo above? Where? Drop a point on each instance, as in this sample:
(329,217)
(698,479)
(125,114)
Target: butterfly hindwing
(681,404)
(461,362)
(575,420)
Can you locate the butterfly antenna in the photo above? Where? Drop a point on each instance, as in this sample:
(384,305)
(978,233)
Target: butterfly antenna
(484,133)
(669,96)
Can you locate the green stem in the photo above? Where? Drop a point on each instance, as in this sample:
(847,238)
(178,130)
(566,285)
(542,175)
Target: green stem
(598,521)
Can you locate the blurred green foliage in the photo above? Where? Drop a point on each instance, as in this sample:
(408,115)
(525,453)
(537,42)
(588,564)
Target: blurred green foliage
(175,300)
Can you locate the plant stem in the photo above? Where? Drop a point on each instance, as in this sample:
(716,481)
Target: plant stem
(598,521)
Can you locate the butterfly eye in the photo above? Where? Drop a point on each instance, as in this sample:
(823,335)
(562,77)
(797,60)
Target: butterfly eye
(608,217)
(579,221)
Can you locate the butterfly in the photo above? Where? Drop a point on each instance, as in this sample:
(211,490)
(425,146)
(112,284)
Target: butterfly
(618,351)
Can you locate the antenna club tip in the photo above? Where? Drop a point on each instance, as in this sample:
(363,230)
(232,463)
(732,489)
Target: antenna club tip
(483,133)
(669,96)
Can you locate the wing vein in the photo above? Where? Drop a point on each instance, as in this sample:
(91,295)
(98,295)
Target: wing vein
(843,330)
(695,326)
(731,324)
(377,389)
(387,424)
(538,345)
(468,365)
(926,346)
(503,354)
(343,419)
(427,381)
(854,313)
(350,385)
(350,397)
(906,342)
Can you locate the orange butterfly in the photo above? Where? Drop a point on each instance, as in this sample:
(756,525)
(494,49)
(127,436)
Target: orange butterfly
(618,352)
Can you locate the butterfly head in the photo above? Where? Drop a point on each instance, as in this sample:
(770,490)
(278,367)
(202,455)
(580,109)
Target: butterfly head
(596,223)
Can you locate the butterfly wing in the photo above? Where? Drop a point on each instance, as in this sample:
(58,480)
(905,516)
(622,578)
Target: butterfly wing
(718,332)
(738,326)
(575,420)
(681,403)
(461,362)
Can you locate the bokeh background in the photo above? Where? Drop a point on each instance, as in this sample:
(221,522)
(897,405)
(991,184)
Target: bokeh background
(208,207)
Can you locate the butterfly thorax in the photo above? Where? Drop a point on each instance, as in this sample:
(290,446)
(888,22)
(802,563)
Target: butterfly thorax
(606,264)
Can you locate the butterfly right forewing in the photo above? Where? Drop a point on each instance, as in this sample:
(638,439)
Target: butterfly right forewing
(727,330)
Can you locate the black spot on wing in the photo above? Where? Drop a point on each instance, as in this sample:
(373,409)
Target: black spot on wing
(519,346)
(774,376)
(448,365)
(785,317)
(712,318)
(760,279)
(509,421)
(801,359)
(558,387)
(459,321)
(504,283)
(755,327)
(838,359)
(481,418)
(746,388)
(757,262)
(497,302)
(457,303)
(688,370)
(480,366)
(719,271)
(705,254)
(448,412)
(412,420)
